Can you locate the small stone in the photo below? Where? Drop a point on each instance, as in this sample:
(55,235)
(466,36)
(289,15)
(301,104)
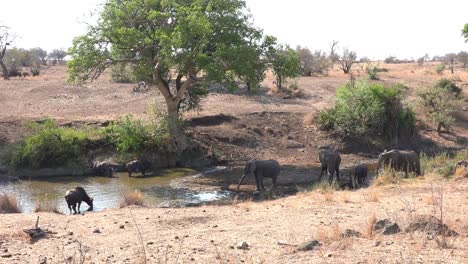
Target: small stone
(192,259)
(150,243)
(212,241)
(121,226)
(231,247)
(70,233)
(388,243)
(147,218)
(186,235)
(5,250)
(309,245)
(97,231)
(329,255)
(243,246)
(176,237)
(8,255)
(377,243)
(126,222)
(215,226)
(351,233)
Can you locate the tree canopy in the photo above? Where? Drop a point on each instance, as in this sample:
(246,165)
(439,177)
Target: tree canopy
(191,42)
(465,32)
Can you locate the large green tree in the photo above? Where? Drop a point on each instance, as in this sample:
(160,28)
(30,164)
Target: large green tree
(173,44)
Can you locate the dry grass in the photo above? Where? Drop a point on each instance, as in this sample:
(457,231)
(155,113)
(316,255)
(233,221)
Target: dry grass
(46,206)
(372,195)
(387,177)
(132,198)
(328,197)
(9,204)
(345,196)
(329,235)
(369,229)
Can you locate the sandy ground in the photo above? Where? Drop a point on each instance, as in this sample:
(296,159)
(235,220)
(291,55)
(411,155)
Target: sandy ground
(210,234)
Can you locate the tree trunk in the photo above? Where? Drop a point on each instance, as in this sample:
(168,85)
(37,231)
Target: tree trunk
(4,71)
(178,139)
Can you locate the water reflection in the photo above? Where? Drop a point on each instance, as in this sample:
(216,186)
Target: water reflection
(107,191)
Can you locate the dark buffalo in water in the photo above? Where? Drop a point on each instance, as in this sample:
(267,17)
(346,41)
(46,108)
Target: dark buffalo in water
(138,166)
(104,168)
(76,196)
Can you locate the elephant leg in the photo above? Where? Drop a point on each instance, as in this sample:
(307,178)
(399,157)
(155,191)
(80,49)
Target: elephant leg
(274,182)
(338,174)
(352,178)
(79,205)
(74,208)
(260,180)
(257,183)
(321,172)
(70,208)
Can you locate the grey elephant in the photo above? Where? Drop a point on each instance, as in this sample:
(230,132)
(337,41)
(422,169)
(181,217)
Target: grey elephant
(138,166)
(104,168)
(358,175)
(330,161)
(400,160)
(76,196)
(261,169)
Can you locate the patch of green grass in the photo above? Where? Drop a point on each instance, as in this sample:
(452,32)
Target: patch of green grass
(442,164)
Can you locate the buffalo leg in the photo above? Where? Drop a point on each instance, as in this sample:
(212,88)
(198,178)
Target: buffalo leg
(74,208)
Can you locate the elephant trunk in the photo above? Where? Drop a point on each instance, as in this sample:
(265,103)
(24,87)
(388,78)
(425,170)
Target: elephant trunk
(241,180)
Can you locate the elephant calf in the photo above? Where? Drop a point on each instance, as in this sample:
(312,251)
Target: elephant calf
(76,196)
(138,166)
(358,175)
(330,161)
(400,160)
(261,169)
(104,168)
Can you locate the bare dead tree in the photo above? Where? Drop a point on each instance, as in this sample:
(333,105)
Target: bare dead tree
(333,56)
(346,60)
(6,38)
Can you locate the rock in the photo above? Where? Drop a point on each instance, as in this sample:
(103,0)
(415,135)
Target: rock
(5,250)
(430,225)
(231,247)
(70,233)
(309,245)
(329,255)
(121,226)
(377,243)
(351,233)
(150,243)
(97,231)
(43,260)
(289,143)
(386,227)
(243,246)
(388,243)
(7,255)
(176,237)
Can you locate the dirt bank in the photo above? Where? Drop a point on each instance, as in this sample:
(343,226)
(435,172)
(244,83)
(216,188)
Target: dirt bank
(210,234)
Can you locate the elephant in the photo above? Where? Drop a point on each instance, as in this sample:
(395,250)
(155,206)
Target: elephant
(400,160)
(261,169)
(76,196)
(330,161)
(358,175)
(104,168)
(138,166)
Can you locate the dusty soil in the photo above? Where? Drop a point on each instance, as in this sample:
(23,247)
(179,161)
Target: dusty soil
(210,234)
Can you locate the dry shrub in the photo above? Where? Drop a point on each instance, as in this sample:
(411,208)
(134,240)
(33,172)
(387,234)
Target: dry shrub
(309,119)
(369,230)
(372,195)
(330,235)
(460,173)
(346,198)
(132,198)
(9,204)
(329,197)
(46,207)
(386,177)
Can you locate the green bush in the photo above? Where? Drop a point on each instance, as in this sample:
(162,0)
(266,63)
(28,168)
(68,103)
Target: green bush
(122,73)
(442,164)
(47,146)
(371,71)
(441,101)
(440,68)
(134,135)
(36,70)
(369,109)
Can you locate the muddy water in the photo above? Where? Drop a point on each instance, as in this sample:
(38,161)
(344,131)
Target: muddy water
(159,190)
